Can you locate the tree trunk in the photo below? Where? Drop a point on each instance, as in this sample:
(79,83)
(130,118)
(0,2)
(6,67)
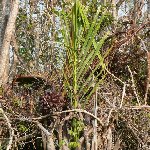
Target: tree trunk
(114,10)
(6,38)
(13,66)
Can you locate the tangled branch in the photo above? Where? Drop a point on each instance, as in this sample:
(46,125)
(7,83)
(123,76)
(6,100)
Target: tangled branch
(11,131)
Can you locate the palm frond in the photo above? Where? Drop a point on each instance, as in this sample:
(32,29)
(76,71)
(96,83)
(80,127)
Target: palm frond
(81,50)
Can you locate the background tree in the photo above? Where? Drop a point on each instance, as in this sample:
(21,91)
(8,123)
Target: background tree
(7,29)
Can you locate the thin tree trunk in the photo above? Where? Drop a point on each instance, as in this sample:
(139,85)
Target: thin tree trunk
(114,10)
(52,53)
(12,70)
(95,122)
(4,60)
(37,48)
(3,18)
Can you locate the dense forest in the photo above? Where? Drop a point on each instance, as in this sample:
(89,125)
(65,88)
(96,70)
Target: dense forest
(74,75)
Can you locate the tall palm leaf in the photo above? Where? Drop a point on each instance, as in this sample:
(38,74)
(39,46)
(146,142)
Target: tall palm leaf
(82,49)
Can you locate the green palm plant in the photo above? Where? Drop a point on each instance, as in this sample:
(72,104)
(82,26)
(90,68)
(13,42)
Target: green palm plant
(82,48)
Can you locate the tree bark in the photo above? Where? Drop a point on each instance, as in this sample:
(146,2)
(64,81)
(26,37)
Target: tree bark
(4,51)
(114,10)
(14,62)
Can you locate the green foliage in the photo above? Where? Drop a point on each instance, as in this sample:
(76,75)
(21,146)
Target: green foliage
(77,127)
(25,35)
(17,102)
(73,144)
(4,146)
(22,128)
(83,45)
(28,86)
(61,143)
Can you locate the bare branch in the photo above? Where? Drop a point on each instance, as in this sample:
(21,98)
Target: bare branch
(123,95)
(109,115)
(133,86)
(130,34)
(82,111)
(114,76)
(148,77)
(124,86)
(109,138)
(49,137)
(11,131)
(117,144)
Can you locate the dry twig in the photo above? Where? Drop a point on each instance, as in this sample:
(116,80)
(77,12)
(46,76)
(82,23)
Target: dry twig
(124,86)
(11,131)
(148,70)
(82,111)
(49,139)
(133,86)
(123,94)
